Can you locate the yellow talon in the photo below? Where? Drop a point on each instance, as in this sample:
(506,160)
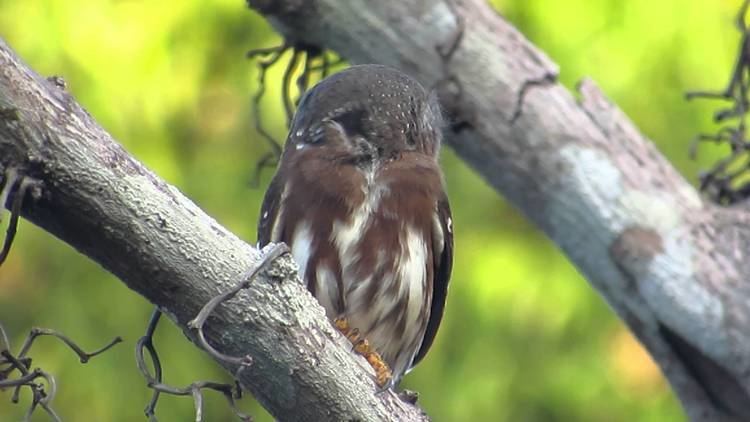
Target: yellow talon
(383,374)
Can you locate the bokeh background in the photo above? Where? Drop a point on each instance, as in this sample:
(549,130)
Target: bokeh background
(524,337)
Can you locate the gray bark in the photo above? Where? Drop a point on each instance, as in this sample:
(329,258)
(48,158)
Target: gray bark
(670,264)
(96,197)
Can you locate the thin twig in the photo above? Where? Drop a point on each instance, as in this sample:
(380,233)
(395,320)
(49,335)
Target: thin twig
(197,323)
(15,209)
(10,233)
(719,183)
(146,342)
(326,65)
(286,82)
(263,66)
(195,390)
(303,80)
(155,383)
(83,356)
(309,54)
(9,182)
(21,363)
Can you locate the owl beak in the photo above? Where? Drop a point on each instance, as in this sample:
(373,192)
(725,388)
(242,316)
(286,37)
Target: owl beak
(364,148)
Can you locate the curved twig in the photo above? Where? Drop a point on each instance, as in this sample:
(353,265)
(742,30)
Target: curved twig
(197,323)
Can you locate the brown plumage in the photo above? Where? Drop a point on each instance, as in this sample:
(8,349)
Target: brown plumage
(359,198)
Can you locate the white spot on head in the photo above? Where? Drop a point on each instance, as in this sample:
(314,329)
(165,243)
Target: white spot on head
(300,145)
(265,215)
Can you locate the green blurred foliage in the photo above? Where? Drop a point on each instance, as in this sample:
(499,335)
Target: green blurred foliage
(524,337)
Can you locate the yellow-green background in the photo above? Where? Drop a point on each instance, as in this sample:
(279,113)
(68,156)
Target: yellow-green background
(524,337)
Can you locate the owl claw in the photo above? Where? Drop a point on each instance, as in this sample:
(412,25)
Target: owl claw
(386,385)
(342,325)
(355,338)
(409,396)
(383,374)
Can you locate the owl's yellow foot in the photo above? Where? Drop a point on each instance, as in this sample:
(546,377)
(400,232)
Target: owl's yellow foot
(383,374)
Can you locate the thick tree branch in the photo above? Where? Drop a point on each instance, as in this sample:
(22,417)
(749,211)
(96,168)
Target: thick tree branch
(671,265)
(107,205)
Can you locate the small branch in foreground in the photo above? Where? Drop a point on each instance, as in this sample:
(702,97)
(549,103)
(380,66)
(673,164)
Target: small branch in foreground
(197,323)
(231,392)
(41,396)
(82,355)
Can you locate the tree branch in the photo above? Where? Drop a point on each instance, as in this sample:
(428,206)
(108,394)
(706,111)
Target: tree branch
(672,266)
(107,205)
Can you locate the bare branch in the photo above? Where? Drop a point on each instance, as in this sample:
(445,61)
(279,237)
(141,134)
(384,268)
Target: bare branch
(199,321)
(108,206)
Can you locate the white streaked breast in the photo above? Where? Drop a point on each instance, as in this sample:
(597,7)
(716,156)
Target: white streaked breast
(413,273)
(302,246)
(326,289)
(346,235)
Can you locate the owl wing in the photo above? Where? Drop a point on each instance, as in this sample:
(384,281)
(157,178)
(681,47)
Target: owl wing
(270,212)
(442,252)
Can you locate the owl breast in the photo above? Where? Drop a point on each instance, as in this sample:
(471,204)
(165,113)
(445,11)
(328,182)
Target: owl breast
(367,258)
